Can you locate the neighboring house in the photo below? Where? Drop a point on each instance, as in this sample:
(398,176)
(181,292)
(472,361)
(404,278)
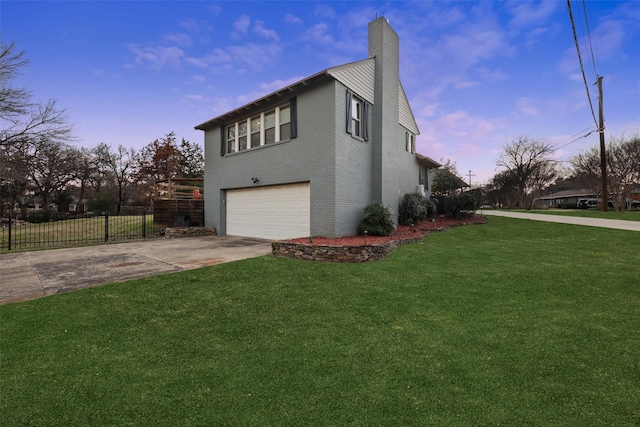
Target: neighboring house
(570,197)
(307,159)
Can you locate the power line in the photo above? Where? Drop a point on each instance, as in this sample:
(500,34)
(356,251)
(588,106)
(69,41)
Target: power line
(576,137)
(584,76)
(586,21)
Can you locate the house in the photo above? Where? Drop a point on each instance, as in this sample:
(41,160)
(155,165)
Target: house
(565,197)
(305,160)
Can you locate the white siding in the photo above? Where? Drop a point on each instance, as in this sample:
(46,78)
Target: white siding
(357,76)
(406,115)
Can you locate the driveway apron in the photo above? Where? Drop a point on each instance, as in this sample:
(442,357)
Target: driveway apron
(28,275)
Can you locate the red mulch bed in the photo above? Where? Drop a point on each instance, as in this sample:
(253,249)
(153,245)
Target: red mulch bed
(402,232)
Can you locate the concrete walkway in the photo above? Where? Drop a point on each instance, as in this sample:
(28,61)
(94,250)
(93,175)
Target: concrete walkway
(576,220)
(28,275)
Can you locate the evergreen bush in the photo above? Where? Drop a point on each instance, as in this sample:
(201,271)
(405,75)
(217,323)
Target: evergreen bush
(462,205)
(377,221)
(413,208)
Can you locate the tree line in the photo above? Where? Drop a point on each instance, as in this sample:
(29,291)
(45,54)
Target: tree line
(527,171)
(38,160)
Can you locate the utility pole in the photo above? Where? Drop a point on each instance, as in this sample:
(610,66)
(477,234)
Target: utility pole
(603,156)
(470,175)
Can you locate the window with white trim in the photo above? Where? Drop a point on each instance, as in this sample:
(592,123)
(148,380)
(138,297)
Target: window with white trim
(410,142)
(265,128)
(285,123)
(357,116)
(231,138)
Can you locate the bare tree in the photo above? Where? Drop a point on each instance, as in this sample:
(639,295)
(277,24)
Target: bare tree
(14,176)
(22,120)
(121,165)
(52,165)
(623,168)
(530,166)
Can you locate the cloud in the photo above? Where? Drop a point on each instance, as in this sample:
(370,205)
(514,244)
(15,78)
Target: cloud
(214,9)
(242,24)
(256,56)
(260,30)
(490,75)
(180,39)
(196,26)
(526,14)
(190,97)
(216,56)
(156,57)
(292,19)
(324,11)
(467,49)
(319,34)
(269,87)
(525,107)
(608,37)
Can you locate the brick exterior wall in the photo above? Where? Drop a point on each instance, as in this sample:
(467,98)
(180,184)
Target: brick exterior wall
(345,173)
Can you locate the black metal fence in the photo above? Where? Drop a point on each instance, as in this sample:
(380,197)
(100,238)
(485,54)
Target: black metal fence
(21,235)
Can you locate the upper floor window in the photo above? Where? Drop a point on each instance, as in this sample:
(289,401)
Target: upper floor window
(231,138)
(285,122)
(256,133)
(267,127)
(357,116)
(410,142)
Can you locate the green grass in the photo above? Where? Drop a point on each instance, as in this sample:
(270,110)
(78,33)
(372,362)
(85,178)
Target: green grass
(510,323)
(631,215)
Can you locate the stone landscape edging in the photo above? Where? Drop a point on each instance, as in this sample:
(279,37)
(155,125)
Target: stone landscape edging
(349,253)
(332,253)
(173,232)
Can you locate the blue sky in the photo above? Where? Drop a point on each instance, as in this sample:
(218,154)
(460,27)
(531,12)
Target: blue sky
(477,73)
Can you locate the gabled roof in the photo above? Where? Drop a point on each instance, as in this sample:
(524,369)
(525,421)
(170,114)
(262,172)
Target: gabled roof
(581,192)
(427,161)
(279,94)
(358,76)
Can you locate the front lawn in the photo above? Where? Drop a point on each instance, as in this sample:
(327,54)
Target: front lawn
(510,323)
(631,215)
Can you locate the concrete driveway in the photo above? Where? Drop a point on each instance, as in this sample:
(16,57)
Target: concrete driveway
(28,275)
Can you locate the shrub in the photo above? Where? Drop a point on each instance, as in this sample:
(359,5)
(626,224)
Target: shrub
(377,221)
(462,205)
(37,217)
(432,208)
(102,202)
(412,209)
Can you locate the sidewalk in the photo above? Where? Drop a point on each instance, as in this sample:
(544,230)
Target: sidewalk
(576,220)
(29,275)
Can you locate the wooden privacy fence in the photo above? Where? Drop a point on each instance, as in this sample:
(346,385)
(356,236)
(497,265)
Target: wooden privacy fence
(179,189)
(179,202)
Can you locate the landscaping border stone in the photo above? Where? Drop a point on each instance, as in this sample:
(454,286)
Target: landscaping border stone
(172,232)
(360,253)
(352,253)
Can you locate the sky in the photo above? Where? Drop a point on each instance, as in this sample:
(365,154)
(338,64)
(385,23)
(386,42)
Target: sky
(478,74)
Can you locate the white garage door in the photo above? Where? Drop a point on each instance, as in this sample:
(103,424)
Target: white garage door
(277,212)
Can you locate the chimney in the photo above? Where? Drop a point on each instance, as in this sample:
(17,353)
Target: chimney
(384,45)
